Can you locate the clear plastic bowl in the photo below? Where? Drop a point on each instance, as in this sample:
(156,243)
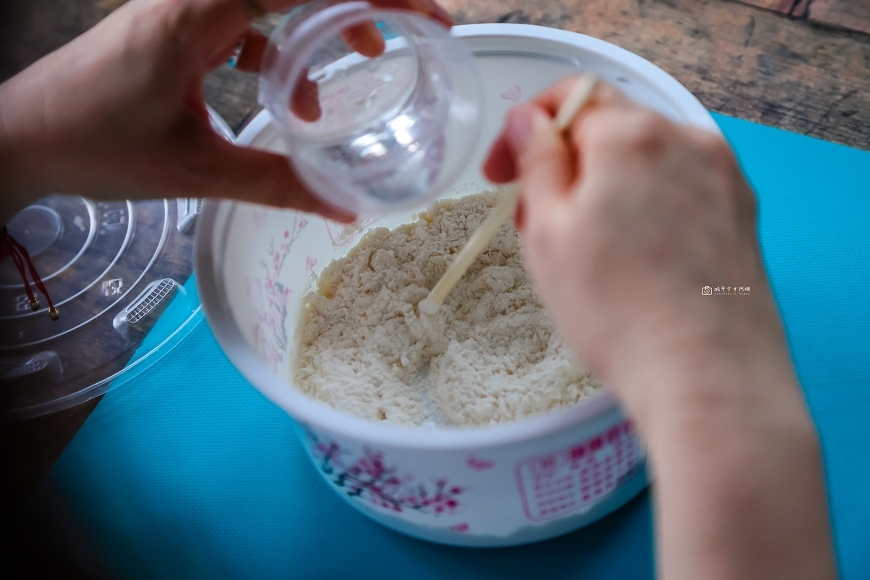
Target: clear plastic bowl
(372,135)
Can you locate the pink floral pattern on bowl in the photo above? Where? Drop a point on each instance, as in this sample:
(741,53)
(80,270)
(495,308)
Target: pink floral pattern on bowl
(513,94)
(478,464)
(370,478)
(274,298)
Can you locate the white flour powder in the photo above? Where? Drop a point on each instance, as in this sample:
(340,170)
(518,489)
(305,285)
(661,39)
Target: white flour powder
(491,355)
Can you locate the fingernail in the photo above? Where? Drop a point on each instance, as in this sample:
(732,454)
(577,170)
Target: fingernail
(519,128)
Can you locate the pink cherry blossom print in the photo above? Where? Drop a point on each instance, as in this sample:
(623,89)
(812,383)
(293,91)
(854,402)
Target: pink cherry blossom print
(370,478)
(259,217)
(461,528)
(310,262)
(274,298)
(513,94)
(479,464)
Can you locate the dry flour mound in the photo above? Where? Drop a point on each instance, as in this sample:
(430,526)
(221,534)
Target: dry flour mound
(491,355)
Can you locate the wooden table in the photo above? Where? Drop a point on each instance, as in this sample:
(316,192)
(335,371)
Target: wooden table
(801,65)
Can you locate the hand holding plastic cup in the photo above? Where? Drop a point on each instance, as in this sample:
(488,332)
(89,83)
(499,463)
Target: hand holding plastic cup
(371,128)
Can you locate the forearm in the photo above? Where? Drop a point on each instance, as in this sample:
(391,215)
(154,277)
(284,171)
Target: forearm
(22,142)
(739,490)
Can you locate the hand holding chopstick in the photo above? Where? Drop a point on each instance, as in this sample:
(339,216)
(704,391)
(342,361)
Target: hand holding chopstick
(478,241)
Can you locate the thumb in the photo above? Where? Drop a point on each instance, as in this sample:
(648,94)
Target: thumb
(255,176)
(542,157)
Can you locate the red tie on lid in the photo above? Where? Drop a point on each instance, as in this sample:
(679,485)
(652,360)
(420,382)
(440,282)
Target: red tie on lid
(23,263)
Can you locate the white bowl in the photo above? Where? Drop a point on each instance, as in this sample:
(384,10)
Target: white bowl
(489,486)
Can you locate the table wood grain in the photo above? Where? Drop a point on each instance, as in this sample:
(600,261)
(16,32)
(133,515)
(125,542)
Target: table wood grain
(851,15)
(847,14)
(799,65)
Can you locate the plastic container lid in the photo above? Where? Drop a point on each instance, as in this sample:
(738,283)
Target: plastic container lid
(116,272)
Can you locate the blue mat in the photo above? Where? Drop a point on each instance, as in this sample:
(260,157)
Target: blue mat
(188,472)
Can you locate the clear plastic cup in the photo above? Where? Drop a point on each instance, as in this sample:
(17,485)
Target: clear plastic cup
(372,135)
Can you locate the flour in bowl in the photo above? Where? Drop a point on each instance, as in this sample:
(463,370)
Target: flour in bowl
(491,355)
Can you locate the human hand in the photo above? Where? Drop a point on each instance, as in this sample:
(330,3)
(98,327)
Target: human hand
(119,111)
(625,219)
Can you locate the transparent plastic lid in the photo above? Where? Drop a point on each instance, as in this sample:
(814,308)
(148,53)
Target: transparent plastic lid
(112,269)
(119,273)
(380,109)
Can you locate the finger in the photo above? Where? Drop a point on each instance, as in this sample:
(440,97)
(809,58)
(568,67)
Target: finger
(629,138)
(440,14)
(552,98)
(305,100)
(428,8)
(194,102)
(253,47)
(255,176)
(603,98)
(213,27)
(224,54)
(499,166)
(542,157)
(215,24)
(365,38)
(520,215)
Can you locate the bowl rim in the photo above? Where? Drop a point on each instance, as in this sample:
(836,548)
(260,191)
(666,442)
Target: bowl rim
(319,415)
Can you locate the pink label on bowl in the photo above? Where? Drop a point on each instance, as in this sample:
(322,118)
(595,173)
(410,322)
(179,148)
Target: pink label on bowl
(570,479)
